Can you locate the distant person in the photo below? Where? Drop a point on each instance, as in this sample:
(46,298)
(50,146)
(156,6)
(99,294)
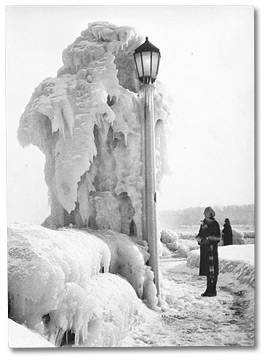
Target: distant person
(227,235)
(208,238)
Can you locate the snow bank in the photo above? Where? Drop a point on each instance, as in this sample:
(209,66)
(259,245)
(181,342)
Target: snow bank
(236,260)
(87,121)
(56,288)
(21,337)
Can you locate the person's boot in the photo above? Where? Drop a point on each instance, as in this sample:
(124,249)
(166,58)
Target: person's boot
(206,293)
(213,284)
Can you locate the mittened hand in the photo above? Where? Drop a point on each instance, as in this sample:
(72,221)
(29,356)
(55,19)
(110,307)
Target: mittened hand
(198,238)
(213,239)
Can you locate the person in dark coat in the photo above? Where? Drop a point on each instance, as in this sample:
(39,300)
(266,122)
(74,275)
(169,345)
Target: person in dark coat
(208,238)
(227,235)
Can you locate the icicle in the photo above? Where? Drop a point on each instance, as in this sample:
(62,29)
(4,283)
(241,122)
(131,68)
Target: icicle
(77,338)
(23,304)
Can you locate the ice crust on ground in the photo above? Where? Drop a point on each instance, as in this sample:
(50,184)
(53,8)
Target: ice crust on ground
(236,260)
(87,121)
(114,300)
(55,284)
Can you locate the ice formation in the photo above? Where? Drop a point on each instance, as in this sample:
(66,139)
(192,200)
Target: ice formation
(170,239)
(128,258)
(87,121)
(67,285)
(238,237)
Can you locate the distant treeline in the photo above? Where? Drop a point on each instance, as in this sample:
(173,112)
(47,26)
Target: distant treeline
(237,214)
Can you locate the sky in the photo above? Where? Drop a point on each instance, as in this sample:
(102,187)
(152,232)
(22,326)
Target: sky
(206,67)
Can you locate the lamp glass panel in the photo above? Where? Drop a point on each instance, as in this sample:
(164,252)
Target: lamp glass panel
(146,56)
(139,64)
(155,57)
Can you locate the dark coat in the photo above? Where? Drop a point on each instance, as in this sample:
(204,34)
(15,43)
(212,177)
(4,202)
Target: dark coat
(227,234)
(208,229)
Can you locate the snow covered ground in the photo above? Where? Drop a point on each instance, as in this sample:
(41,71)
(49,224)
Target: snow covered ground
(107,312)
(191,320)
(21,337)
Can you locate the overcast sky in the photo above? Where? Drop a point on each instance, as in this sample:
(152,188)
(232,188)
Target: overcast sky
(206,67)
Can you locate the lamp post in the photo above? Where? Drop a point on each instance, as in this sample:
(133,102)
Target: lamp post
(147,58)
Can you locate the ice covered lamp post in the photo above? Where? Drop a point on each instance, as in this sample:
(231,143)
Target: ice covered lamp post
(147,58)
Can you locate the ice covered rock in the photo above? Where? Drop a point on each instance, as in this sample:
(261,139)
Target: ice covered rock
(168,236)
(238,237)
(179,247)
(87,121)
(65,284)
(170,239)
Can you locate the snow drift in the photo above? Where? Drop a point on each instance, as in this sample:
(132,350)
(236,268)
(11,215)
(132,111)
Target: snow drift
(56,287)
(87,121)
(21,337)
(236,260)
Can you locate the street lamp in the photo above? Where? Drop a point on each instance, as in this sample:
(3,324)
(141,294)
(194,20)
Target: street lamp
(147,58)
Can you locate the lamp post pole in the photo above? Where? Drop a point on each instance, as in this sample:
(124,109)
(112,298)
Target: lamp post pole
(147,58)
(150,233)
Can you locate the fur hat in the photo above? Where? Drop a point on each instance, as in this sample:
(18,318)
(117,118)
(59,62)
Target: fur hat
(211,211)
